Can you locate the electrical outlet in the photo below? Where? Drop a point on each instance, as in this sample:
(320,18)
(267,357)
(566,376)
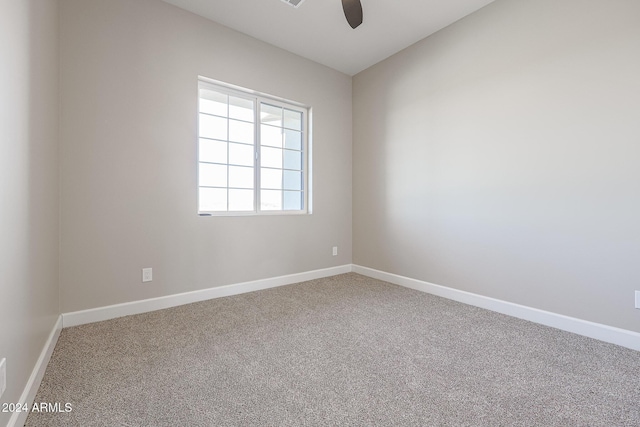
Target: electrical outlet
(335,251)
(637,299)
(3,376)
(147,274)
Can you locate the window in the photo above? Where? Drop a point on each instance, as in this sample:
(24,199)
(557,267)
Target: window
(252,153)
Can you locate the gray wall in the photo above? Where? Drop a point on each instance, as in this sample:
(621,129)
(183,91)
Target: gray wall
(28,186)
(501,157)
(128,156)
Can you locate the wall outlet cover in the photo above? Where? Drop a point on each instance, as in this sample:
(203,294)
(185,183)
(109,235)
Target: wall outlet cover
(637,299)
(147,274)
(335,251)
(3,376)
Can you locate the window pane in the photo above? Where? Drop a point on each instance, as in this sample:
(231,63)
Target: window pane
(212,199)
(292,119)
(292,180)
(241,109)
(240,177)
(212,102)
(240,154)
(270,135)
(228,162)
(271,178)
(240,132)
(293,201)
(270,200)
(213,151)
(271,157)
(240,200)
(213,127)
(212,175)
(292,139)
(271,115)
(292,160)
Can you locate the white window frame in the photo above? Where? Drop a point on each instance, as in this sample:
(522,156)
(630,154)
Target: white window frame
(259,98)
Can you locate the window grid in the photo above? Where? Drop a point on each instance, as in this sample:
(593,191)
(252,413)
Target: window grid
(228,138)
(287,167)
(281,125)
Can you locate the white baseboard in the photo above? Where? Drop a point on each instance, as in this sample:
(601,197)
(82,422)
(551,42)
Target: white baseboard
(585,328)
(33,384)
(136,307)
(597,331)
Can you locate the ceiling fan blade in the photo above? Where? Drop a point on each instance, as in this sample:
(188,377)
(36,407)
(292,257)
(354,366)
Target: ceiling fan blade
(353,12)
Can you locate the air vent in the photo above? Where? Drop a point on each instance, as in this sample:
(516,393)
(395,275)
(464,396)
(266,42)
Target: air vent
(294,3)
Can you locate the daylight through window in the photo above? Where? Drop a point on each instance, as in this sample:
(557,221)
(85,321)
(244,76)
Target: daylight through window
(252,153)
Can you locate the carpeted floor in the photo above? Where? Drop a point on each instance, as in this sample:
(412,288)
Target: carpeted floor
(341,351)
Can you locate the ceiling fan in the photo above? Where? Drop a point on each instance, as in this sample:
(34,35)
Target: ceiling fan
(353,12)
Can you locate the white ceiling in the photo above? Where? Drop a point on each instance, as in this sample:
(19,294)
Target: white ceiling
(318,30)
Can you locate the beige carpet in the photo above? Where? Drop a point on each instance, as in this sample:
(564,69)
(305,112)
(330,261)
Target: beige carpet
(342,351)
